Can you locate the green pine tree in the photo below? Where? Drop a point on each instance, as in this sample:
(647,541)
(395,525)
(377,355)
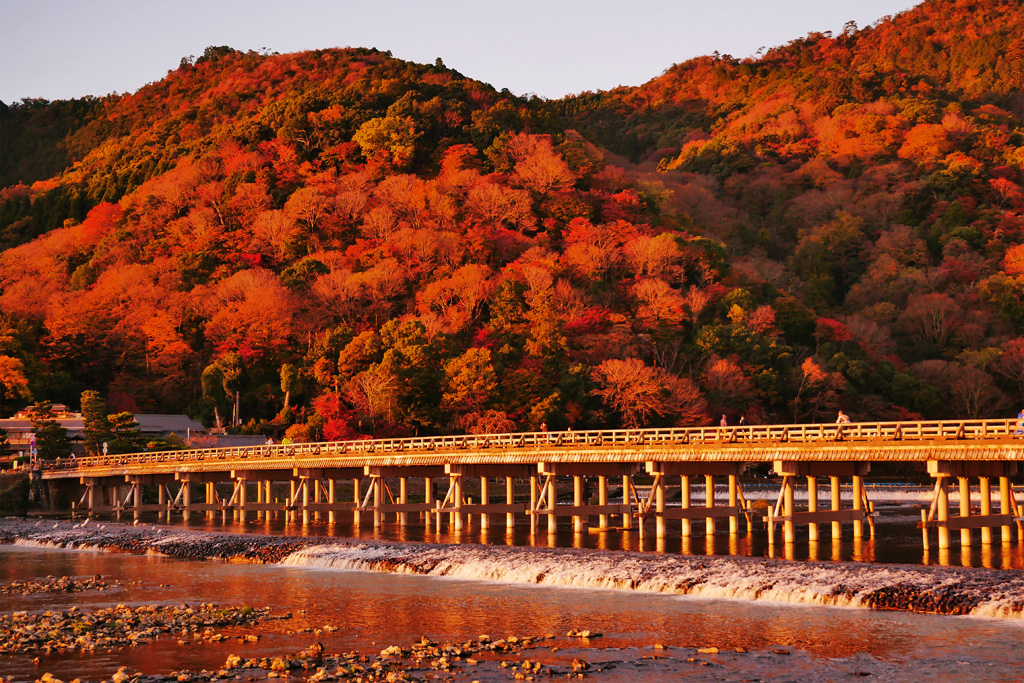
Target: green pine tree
(96,425)
(52,440)
(126,437)
(5,444)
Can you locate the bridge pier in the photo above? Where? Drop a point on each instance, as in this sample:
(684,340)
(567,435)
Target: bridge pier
(211,503)
(785,509)
(135,490)
(710,512)
(93,495)
(544,500)
(459,508)
(938,513)
(313,491)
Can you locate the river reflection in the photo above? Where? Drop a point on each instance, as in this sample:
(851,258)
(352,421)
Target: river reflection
(896,540)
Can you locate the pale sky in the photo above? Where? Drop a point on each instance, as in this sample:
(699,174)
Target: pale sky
(60,49)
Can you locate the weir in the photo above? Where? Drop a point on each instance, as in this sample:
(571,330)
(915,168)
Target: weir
(598,481)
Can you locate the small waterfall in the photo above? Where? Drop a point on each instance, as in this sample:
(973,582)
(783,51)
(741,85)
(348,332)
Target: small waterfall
(986,593)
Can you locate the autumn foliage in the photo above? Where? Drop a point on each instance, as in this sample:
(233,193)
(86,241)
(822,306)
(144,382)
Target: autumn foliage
(348,244)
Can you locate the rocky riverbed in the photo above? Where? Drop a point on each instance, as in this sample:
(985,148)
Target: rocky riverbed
(53,584)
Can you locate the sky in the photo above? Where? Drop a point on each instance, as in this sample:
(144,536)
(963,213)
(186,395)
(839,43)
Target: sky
(62,49)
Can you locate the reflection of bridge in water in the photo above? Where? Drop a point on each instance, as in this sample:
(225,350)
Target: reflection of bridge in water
(635,472)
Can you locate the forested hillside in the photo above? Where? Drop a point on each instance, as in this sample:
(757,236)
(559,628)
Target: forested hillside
(352,244)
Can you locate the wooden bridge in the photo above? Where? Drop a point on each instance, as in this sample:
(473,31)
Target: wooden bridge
(647,462)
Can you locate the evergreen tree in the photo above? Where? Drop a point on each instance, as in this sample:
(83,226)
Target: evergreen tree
(5,444)
(96,425)
(52,440)
(126,437)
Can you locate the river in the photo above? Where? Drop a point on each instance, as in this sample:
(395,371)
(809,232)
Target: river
(654,604)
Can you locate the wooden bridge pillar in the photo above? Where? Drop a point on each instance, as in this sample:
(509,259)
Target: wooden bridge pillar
(457,520)
(544,501)
(1005,531)
(577,500)
(428,499)
(965,510)
(316,498)
(304,490)
(709,502)
(259,501)
(986,508)
(812,506)
(837,504)
(659,507)
(291,516)
(377,484)
(627,513)
(684,498)
(602,500)
(788,508)
(137,502)
(332,514)
(485,500)
(533,505)
(242,487)
(552,503)
(115,496)
(858,502)
(943,511)
(510,500)
(356,513)
(403,499)
(209,499)
(734,520)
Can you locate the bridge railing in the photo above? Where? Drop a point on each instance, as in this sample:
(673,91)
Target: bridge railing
(602,438)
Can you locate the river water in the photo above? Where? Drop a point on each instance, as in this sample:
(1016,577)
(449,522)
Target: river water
(796,620)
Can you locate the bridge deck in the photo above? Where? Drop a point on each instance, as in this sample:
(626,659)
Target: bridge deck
(967,440)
